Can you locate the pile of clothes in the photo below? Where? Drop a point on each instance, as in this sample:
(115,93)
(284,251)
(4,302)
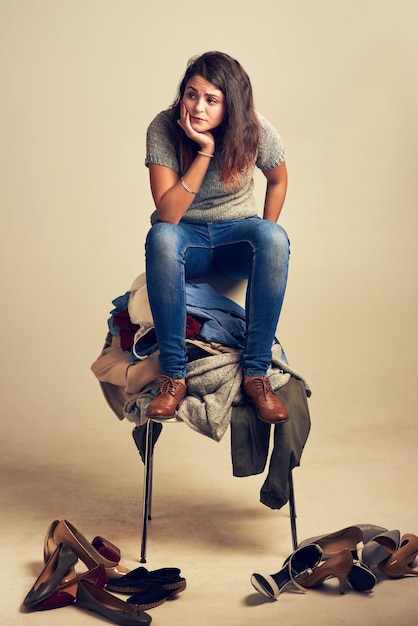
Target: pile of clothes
(128,370)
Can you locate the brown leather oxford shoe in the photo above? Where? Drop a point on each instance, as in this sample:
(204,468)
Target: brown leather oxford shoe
(166,402)
(269,407)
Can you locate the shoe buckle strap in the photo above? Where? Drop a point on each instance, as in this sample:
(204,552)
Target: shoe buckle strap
(305,572)
(293,577)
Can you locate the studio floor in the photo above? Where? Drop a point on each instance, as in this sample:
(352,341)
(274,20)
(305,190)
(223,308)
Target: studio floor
(206,522)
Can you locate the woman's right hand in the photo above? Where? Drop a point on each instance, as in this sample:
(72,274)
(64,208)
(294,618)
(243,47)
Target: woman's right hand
(205,139)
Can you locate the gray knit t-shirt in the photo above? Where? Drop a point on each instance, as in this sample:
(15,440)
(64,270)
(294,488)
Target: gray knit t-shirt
(214,202)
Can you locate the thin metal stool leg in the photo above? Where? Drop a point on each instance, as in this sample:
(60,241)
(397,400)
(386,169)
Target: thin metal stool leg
(147,488)
(292,510)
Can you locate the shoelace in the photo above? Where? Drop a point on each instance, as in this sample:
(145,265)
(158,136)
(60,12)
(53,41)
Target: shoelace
(263,386)
(169,385)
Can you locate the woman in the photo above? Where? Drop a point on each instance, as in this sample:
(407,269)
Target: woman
(201,155)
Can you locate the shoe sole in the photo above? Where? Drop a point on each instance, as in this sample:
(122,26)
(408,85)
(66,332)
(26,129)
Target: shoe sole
(174,587)
(144,606)
(264,584)
(272,422)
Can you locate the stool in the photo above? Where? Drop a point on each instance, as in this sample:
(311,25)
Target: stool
(147,489)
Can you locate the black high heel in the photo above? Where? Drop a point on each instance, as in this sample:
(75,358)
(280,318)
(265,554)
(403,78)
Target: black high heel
(61,561)
(298,564)
(361,577)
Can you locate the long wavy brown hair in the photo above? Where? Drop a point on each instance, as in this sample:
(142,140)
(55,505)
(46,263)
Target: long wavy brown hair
(238,136)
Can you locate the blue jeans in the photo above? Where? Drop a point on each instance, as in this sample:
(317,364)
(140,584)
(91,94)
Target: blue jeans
(252,248)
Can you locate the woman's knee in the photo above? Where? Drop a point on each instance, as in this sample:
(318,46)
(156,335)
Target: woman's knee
(163,238)
(271,236)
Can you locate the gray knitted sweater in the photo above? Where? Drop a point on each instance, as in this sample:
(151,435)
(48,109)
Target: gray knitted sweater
(214,203)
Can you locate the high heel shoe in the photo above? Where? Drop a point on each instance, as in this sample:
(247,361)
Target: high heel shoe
(106,548)
(380,547)
(349,537)
(295,566)
(397,564)
(361,577)
(61,561)
(65,593)
(68,534)
(50,546)
(102,545)
(99,601)
(338,566)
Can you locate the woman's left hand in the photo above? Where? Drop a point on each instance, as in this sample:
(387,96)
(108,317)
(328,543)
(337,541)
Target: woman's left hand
(204,139)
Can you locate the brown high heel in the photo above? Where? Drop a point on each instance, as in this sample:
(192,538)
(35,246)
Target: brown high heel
(68,534)
(102,545)
(50,547)
(338,566)
(398,563)
(361,577)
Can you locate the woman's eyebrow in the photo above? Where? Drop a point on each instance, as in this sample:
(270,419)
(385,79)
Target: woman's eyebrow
(208,93)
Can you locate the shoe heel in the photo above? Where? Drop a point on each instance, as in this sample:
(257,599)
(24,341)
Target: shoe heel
(398,563)
(342,579)
(396,569)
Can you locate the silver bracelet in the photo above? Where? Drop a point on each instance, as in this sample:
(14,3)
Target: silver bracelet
(210,156)
(187,188)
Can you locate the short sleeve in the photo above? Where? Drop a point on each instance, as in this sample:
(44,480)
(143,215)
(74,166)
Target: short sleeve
(161,143)
(271,152)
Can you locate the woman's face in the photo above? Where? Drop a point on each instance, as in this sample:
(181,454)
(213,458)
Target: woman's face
(205,104)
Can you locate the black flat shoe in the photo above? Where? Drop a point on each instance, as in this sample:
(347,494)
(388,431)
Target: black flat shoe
(92,598)
(153,595)
(138,579)
(60,562)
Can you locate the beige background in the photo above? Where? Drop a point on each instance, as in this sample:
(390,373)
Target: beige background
(80,81)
